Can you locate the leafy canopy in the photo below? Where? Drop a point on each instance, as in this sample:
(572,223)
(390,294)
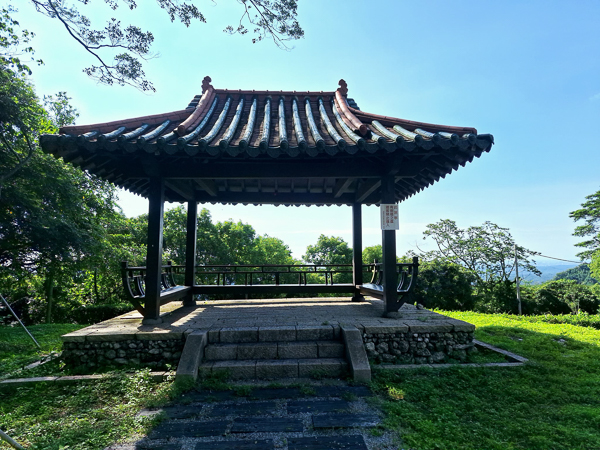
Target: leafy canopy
(121,50)
(328,250)
(53,217)
(14,43)
(590,213)
(487,251)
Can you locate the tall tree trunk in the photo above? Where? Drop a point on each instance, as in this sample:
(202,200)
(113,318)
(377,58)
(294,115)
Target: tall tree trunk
(49,294)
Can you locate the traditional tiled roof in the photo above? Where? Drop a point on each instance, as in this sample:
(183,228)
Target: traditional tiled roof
(259,126)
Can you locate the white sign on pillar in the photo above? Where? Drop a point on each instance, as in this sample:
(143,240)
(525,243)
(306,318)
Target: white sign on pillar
(389,216)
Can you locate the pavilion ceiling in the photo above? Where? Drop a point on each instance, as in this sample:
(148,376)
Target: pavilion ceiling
(273,147)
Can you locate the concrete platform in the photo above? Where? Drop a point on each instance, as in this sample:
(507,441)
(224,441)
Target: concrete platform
(254,338)
(301,315)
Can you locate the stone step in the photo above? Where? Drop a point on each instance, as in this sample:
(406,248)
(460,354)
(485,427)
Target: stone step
(274,350)
(236,335)
(276,368)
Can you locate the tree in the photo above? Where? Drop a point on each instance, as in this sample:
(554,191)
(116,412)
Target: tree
(590,213)
(329,250)
(487,251)
(445,285)
(120,51)
(220,243)
(22,119)
(560,297)
(51,214)
(372,253)
(13,44)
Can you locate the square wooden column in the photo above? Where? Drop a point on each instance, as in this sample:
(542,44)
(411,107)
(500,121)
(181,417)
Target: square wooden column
(190,250)
(388,245)
(156,198)
(357,275)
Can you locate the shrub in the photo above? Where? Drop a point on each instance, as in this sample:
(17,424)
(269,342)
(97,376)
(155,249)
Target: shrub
(444,285)
(577,297)
(98,313)
(560,297)
(500,298)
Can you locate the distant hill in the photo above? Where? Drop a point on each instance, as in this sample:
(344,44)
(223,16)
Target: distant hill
(581,274)
(548,272)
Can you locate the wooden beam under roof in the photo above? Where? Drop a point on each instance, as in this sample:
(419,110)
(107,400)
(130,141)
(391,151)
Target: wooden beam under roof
(208,185)
(186,192)
(366,189)
(259,168)
(341,185)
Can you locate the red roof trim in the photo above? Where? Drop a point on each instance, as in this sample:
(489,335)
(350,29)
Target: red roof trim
(357,125)
(410,124)
(198,113)
(107,127)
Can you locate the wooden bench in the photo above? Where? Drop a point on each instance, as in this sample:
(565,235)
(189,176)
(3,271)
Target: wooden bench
(134,283)
(407,280)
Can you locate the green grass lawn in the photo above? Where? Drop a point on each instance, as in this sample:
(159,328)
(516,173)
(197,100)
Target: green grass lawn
(18,350)
(553,402)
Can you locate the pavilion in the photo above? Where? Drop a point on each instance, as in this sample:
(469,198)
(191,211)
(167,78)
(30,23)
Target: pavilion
(268,147)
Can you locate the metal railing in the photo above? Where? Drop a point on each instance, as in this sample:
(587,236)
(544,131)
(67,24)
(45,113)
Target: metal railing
(266,274)
(276,274)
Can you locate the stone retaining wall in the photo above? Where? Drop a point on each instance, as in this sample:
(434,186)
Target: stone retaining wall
(410,336)
(127,353)
(418,348)
(418,336)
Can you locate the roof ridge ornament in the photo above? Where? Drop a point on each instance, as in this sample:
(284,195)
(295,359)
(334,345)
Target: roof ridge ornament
(206,84)
(343,89)
(357,125)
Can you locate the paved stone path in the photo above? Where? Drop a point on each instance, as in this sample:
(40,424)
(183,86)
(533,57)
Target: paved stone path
(310,417)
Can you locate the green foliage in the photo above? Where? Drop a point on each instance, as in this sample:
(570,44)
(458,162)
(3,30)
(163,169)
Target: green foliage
(120,51)
(60,110)
(22,120)
(18,350)
(217,243)
(84,416)
(590,213)
(487,251)
(13,43)
(54,219)
(328,250)
(580,274)
(445,285)
(552,402)
(581,320)
(371,254)
(97,313)
(564,297)
(595,264)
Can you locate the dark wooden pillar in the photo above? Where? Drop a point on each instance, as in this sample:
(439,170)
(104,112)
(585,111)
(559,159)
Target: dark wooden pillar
(388,245)
(156,198)
(357,275)
(190,249)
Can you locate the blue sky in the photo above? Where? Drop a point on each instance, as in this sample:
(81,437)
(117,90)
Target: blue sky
(527,72)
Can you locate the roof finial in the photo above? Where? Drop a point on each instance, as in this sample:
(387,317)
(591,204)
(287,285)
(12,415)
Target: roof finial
(206,84)
(343,87)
